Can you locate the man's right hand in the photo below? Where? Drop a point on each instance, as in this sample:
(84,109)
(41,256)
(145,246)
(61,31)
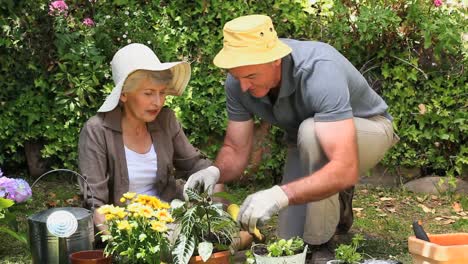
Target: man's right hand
(206,179)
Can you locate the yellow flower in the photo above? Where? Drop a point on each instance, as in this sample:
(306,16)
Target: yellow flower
(158,226)
(129,195)
(122,200)
(134,207)
(146,211)
(123,225)
(109,217)
(122,214)
(164,215)
(105,209)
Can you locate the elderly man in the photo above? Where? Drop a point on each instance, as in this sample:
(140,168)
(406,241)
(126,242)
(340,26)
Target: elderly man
(336,126)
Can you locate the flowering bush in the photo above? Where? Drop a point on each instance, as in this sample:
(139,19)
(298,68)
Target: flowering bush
(12,191)
(138,232)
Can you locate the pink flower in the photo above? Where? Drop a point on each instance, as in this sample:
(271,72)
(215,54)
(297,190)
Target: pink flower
(438,3)
(88,22)
(58,7)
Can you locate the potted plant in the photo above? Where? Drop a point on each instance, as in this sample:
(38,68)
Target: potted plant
(280,251)
(347,254)
(138,232)
(204,229)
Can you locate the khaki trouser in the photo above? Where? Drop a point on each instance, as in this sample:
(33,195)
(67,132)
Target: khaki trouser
(316,222)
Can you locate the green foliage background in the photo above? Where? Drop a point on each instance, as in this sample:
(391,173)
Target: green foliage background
(54,71)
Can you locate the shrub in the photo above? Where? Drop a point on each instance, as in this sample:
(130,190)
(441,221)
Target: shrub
(54,71)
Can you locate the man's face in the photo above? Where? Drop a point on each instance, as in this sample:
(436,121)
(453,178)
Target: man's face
(258,79)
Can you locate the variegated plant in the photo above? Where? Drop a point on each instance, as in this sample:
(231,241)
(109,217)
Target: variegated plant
(204,226)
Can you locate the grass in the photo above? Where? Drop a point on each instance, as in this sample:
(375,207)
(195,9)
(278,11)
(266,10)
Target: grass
(383,216)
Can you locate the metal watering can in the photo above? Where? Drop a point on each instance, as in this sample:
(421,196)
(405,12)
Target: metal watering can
(56,233)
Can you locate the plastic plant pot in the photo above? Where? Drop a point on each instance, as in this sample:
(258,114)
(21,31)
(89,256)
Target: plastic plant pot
(221,257)
(90,257)
(443,249)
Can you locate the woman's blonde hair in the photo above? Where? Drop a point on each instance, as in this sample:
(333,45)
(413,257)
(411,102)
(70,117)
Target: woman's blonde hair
(157,77)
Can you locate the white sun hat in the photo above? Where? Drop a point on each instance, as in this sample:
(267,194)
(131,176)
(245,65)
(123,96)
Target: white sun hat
(135,57)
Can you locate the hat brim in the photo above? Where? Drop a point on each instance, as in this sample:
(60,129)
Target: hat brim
(181,76)
(227,59)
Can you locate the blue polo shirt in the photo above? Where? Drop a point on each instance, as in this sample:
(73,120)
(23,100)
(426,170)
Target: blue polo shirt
(316,81)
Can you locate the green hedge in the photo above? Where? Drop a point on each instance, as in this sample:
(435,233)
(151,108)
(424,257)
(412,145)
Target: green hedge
(54,71)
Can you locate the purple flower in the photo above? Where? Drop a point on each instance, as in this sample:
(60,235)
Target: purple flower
(58,7)
(23,191)
(7,188)
(17,190)
(88,22)
(438,3)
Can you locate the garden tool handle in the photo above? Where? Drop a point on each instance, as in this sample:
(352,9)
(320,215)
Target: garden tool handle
(419,231)
(76,174)
(233,210)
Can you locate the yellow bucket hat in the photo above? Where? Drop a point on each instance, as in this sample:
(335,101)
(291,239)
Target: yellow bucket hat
(250,40)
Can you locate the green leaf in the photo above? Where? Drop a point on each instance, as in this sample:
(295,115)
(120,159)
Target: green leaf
(5,203)
(225,195)
(205,249)
(183,250)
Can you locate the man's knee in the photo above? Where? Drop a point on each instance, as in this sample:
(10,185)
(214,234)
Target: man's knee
(306,133)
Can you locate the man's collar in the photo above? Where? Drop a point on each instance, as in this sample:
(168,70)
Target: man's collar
(286,68)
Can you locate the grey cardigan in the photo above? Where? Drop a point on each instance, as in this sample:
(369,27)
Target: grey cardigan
(102,157)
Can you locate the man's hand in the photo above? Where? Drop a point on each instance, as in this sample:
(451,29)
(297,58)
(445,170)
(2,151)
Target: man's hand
(260,206)
(206,179)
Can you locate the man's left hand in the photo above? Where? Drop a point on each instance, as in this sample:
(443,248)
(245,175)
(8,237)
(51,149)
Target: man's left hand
(260,206)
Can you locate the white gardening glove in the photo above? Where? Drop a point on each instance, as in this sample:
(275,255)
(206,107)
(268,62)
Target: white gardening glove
(260,206)
(206,178)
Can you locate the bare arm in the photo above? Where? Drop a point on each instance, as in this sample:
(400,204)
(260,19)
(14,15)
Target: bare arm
(338,141)
(234,155)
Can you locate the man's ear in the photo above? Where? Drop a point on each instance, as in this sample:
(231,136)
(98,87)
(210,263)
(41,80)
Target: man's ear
(277,62)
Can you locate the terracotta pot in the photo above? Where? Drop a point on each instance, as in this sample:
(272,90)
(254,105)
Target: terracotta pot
(443,249)
(221,257)
(90,257)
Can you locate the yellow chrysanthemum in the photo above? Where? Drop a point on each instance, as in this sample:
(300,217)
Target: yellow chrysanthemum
(105,209)
(129,195)
(158,226)
(109,217)
(121,214)
(134,207)
(123,225)
(164,215)
(146,211)
(158,204)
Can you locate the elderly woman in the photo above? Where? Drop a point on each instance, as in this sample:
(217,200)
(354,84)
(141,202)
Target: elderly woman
(134,143)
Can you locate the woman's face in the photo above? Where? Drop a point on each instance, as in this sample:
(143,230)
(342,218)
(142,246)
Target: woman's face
(145,102)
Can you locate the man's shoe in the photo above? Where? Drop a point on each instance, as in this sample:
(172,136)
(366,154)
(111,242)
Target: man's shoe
(346,211)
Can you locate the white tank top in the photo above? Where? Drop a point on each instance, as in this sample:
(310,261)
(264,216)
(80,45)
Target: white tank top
(142,170)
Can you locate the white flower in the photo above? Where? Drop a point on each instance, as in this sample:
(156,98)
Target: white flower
(129,41)
(108,16)
(124,36)
(126,24)
(127,13)
(149,42)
